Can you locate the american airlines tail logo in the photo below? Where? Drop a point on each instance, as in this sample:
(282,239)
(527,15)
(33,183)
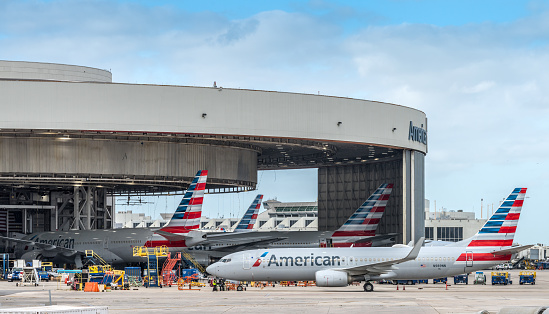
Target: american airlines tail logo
(258,261)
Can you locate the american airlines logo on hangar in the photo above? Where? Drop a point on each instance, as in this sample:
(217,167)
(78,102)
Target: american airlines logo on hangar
(417,134)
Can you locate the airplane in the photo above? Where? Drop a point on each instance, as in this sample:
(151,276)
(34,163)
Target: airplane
(116,245)
(358,231)
(338,267)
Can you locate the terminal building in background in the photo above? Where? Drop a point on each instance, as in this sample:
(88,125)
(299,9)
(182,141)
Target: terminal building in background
(450,225)
(443,225)
(72,140)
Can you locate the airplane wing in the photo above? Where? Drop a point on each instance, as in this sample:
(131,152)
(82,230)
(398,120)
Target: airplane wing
(247,245)
(376,237)
(42,246)
(384,267)
(512,250)
(241,240)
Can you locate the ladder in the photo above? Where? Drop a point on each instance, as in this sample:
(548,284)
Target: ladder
(168,276)
(190,260)
(152,253)
(91,256)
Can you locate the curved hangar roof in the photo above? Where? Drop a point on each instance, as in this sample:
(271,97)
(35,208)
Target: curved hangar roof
(64,125)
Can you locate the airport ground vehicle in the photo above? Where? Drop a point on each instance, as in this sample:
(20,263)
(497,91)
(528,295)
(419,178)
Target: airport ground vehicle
(503,266)
(480,278)
(16,274)
(43,275)
(501,278)
(443,280)
(527,277)
(461,279)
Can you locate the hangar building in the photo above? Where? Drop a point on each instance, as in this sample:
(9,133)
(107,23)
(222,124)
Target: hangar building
(71,139)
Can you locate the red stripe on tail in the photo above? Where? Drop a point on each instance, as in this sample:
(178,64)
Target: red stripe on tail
(491,242)
(196,201)
(371,221)
(508,229)
(512,216)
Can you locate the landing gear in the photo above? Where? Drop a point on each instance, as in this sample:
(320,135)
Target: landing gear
(368,287)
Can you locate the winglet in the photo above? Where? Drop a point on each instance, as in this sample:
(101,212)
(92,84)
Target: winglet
(415,250)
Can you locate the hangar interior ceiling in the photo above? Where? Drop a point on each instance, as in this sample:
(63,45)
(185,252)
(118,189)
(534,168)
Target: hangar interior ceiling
(272,154)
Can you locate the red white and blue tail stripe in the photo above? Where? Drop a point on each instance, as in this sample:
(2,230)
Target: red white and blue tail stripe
(366,218)
(248,220)
(499,230)
(187,214)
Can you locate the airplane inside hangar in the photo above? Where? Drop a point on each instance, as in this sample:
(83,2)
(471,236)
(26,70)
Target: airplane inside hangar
(71,140)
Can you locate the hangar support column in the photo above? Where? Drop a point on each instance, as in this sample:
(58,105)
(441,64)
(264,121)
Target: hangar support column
(413,184)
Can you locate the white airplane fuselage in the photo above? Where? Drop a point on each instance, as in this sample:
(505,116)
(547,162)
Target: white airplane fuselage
(302,264)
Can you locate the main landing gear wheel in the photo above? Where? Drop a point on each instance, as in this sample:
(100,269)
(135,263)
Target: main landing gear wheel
(368,287)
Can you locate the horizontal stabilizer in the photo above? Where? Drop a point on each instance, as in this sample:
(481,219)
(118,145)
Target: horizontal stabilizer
(375,238)
(171,236)
(242,240)
(512,250)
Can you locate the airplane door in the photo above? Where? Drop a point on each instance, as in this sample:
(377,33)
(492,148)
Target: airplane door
(247,259)
(468,259)
(322,242)
(106,243)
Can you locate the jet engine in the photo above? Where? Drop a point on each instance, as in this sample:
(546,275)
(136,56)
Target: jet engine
(332,278)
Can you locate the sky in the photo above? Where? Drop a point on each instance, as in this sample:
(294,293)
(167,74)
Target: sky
(478,69)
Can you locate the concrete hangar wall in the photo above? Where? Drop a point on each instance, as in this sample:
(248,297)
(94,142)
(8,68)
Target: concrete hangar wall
(71,136)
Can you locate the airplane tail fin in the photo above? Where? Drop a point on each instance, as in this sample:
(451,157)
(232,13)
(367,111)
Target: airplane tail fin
(499,230)
(366,218)
(187,215)
(248,220)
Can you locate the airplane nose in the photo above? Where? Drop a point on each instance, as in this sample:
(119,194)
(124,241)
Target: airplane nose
(210,269)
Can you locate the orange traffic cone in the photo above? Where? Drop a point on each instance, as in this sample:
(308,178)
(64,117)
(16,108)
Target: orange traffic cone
(403,287)
(397,286)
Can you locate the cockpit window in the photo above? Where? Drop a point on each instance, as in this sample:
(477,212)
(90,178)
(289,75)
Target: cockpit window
(225,260)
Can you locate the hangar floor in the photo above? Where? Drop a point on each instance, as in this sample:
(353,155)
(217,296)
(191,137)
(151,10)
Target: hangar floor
(425,298)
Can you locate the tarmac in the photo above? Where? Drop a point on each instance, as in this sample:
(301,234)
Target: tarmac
(422,298)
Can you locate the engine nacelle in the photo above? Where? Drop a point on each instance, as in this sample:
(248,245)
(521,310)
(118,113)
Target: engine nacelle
(332,278)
